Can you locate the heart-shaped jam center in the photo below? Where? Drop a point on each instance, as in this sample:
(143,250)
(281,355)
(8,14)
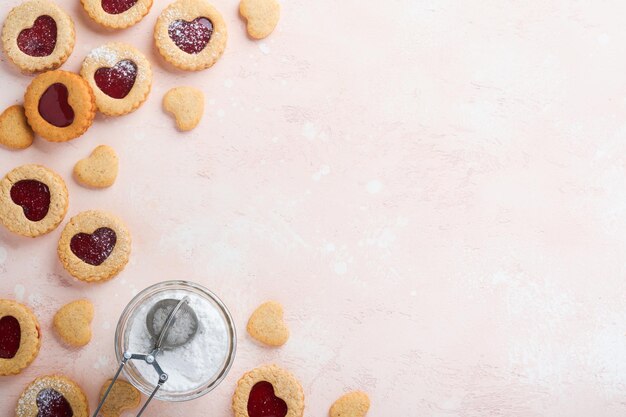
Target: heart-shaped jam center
(54,106)
(263,403)
(94,248)
(117,81)
(52,403)
(34,198)
(41,39)
(10,336)
(191,37)
(117,6)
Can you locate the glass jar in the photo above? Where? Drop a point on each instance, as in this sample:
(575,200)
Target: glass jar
(132,326)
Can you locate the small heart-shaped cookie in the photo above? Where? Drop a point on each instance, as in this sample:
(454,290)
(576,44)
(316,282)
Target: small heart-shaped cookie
(72,322)
(123,396)
(352,404)
(267,326)
(186,104)
(15,133)
(262,16)
(99,169)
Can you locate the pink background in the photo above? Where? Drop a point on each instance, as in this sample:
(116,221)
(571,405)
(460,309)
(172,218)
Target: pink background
(435,190)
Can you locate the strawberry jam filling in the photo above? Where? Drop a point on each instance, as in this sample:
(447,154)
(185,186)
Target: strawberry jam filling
(52,403)
(191,37)
(39,40)
(262,401)
(54,106)
(117,6)
(10,337)
(94,248)
(34,198)
(116,82)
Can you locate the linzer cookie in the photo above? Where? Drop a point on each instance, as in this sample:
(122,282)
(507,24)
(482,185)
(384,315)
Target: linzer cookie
(268,391)
(117,14)
(60,105)
(20,338)
(38,36)
(262,16)
(123,397)
(52,396)
(266,324)
(120,78)
(15,133)
(352,404)
(186,104)
(99,169)
(191,34)
(94,246)
(33,200)
(73,322)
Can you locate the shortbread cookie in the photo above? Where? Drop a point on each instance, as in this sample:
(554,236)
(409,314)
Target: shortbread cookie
(352,404)
(20,337)
(262,16)
(191,34)
(94,246)
(38,36)
(268,391)
(267,326)
(60,105)
(187,106)
(99,170)
(73,322)
(117,14)
(33,200)
(123,397)
(52,396)
(15,133)
(120,77)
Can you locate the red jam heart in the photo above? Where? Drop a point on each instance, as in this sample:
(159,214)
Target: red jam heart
(52,403)
(117,6)
(191,37)
(117,82)
(54,106)
(263,403)
(33,196)
(10,336)
(94,248)
(41,39)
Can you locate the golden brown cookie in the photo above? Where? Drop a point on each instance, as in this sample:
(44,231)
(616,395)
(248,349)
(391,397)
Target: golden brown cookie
(15,133)
(268,391)
(191,34)
(267,326)
(94,246)
(99,169)
(72,322)
(123,397)
(53,395)
(187,106)
(38,36)
(262,16)
(33,200)
(352,404)
(120,77)
(117,14)
(60,105)
(20,337)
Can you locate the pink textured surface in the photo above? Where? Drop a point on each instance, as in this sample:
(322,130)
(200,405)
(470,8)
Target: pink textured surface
(435,190)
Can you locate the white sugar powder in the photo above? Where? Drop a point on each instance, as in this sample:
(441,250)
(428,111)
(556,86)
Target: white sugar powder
(192,365)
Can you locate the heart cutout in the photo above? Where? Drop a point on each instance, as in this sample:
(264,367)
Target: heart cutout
(191,37)
(51,403)
(262,401)
(123,396)
(117,6)
(94,248)
(54,106)
(39,40)
(261,15)
(117,81)
(99,169)
(10,337)
(354,404)
(73,322)
(186,104)
(15,133)
(34,198)
(266,324)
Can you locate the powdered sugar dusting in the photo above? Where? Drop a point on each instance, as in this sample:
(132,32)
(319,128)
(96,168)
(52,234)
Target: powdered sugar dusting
(43,392)
(191,37)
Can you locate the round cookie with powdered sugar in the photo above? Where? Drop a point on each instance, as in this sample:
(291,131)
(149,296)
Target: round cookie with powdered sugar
(20,337)
(52,394)
(117,14)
